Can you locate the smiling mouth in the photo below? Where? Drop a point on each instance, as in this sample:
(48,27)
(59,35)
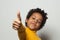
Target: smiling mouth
(33,24)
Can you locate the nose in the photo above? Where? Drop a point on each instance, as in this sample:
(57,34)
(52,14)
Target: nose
(35,20)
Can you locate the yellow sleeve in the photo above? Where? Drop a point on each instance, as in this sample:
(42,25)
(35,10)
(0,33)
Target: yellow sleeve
(21,32)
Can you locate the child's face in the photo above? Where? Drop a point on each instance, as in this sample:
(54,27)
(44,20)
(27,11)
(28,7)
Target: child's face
(34,21)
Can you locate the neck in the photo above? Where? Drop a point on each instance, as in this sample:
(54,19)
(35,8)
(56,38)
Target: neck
(32,30)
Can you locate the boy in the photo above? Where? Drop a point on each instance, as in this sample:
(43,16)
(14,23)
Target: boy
(35,20)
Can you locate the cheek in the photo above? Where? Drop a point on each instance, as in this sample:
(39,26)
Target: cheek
(38,25)
(29,22)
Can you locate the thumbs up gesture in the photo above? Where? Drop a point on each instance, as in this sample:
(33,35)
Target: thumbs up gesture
(17,21)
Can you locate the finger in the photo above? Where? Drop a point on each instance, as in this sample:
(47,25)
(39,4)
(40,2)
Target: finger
(15,27)
(18,15)
(17,22)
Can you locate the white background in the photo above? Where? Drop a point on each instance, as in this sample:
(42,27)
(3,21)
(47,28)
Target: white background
(8,11)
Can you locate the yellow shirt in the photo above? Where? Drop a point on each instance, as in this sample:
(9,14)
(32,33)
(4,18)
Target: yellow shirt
(31,35)
(27,34)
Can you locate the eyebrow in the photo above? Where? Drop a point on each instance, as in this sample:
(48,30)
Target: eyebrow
(38,19)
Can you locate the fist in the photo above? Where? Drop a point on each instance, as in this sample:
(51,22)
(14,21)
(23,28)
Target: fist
(17,22)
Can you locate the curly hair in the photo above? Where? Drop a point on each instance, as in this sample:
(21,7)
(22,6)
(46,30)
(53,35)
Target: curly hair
(44,15)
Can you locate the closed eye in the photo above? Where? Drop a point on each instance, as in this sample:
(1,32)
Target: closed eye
(39,21)
(33,18)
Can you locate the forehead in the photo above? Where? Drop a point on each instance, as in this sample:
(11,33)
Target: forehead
(38,15)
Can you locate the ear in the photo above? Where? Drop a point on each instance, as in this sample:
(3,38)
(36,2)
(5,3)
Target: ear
(26,20)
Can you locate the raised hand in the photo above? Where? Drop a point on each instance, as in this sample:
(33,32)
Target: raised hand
(17,21)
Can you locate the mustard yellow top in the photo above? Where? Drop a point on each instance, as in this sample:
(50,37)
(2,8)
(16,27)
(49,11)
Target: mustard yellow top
(31,35)
(27,34)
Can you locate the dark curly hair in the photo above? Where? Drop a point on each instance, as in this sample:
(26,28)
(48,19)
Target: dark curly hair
(40,12)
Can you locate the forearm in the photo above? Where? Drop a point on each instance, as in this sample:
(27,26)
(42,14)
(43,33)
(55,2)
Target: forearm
(21,33)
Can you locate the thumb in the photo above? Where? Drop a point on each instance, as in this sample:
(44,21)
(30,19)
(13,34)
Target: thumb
(18,15)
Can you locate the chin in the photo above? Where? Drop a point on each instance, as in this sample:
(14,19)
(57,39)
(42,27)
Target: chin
(32,28)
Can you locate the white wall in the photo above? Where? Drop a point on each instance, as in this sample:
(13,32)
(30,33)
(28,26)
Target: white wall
(8,11)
